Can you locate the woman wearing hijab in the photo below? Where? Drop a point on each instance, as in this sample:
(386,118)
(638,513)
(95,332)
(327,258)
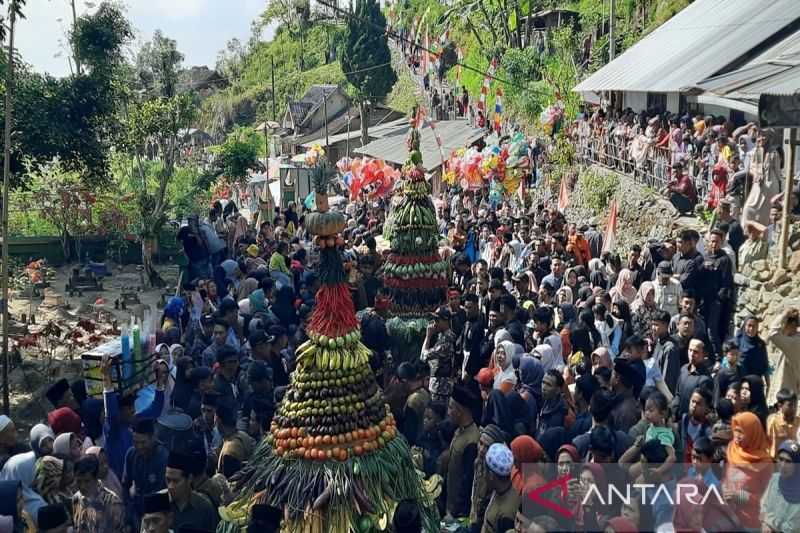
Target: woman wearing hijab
(780,505)
(520,414)
(698,514)
(284,306)
(753,399)
(644,309)
(601,358)
(596,276)
(624,289)
(172,314)
(504,376)
(51,481)
(258,302)
(584,338)
(566,320)
(498,412)
(227,275)
(571,279)
(765,167)
(748,469)
(67,446)
(104,473)
(531,374)
(565,295)
(22,467)
(182,390)
(246,288)
(548,358)
(752,348)
(527,453)
(592,512)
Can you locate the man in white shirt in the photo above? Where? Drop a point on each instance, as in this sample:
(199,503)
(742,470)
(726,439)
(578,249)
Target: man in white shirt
(668,290)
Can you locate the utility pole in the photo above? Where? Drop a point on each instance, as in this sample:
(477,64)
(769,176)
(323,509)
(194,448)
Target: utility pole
(790,145)
(612,49)
(74,24)
(6,177)
(325,112)
(347,149)
(272,64)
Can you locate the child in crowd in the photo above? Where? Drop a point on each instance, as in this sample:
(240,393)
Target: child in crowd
(721,433)
(783,424)
(703,461)
(695,423)
(433,442)
(657,414)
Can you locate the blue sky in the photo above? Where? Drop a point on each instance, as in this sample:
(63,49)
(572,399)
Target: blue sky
(201,27)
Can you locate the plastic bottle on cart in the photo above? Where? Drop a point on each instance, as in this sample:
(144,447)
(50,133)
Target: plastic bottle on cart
(127,362)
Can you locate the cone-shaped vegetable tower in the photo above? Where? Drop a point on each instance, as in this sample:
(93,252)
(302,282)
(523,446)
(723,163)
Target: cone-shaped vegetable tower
(415,275)
(333,461)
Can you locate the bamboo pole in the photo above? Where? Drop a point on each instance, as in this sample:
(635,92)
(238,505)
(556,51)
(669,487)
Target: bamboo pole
(790,142)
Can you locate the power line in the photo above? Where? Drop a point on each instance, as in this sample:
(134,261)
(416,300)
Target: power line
(397,36)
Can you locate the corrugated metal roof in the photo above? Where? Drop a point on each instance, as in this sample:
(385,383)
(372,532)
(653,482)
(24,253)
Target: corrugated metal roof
(299,110)
(455,134)
(774,77)
(396,127)
(787,49)
(776,71)
(700,41)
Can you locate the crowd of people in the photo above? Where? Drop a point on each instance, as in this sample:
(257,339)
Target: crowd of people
(695,159)
(550,360)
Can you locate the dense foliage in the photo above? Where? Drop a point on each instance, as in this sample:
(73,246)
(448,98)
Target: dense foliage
(72,119)
(249,97)
(238,154)
(366,59)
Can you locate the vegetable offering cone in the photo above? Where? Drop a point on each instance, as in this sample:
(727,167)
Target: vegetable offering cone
(415,276)
(334,460)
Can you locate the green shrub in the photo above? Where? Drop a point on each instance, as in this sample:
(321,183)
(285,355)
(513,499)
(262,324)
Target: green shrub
(597,189)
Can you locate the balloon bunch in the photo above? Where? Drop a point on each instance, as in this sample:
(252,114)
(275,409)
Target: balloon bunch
(372,177)
(313,155)
(471,175)
(518,162)
(551,116)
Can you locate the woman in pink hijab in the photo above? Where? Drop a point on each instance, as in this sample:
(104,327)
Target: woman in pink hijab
(624,289)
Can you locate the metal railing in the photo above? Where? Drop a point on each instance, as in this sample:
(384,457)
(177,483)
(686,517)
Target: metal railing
(652,169)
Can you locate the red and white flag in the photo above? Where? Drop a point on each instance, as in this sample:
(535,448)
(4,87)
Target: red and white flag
(611,229)
(563,195)
(487,81)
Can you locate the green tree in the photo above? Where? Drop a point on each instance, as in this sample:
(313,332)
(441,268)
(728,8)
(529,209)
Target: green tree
(157,66)
(153,131)
(366,59)
(73,119)
(238,154)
